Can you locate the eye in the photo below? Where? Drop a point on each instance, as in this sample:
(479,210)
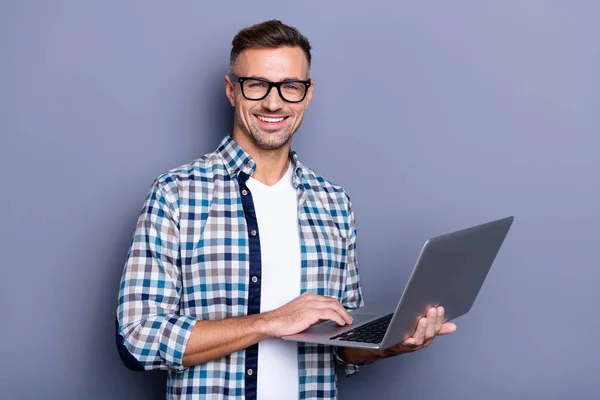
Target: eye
(293,86)
(256,84)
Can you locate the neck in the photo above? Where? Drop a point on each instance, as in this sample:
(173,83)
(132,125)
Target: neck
(271,165)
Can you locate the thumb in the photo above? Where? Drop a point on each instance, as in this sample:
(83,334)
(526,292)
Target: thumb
(447,328)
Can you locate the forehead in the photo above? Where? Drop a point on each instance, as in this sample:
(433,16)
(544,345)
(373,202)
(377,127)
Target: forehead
(274,64)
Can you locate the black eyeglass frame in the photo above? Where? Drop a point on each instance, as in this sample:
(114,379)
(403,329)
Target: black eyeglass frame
(241,79)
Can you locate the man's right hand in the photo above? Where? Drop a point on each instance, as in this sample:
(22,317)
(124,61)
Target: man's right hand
(303,312)
(211,340)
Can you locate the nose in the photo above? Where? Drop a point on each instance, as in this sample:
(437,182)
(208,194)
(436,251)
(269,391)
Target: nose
(272,102)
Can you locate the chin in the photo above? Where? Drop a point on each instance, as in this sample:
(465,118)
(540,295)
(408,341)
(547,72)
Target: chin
(270,140)
(270,144)
(265,145)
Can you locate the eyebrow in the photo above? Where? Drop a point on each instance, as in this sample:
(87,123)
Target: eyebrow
(288,78)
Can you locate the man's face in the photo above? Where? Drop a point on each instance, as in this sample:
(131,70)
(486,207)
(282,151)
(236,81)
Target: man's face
(272,121)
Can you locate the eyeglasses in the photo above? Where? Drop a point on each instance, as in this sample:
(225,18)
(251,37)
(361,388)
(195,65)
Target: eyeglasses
(292,91)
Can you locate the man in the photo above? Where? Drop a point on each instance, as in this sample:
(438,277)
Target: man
(245,245)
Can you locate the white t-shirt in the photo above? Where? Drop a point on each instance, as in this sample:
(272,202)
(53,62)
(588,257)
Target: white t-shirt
(277,216)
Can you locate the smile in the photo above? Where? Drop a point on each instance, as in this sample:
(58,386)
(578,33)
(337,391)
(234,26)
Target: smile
(271,120)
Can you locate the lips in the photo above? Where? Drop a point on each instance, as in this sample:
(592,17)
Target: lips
(271,121)
(270,118)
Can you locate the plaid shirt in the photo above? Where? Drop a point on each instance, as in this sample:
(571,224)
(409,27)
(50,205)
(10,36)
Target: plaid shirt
(194,255)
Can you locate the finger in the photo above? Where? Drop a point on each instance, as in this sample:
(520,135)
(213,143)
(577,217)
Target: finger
(313,297)
(420,333)
(329,314)
(343,312)
(447,328)
(440,319)
(334,306)
(431,322)
(318,297)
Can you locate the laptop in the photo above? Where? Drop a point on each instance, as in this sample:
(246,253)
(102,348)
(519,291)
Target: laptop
(449,272)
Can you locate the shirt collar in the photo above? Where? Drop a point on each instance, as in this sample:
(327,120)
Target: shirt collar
(237,160)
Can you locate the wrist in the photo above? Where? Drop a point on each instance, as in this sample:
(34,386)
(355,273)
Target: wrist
(360,356)
(263,325)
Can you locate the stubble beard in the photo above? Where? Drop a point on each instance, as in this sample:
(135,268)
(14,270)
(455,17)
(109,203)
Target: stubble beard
(266,140)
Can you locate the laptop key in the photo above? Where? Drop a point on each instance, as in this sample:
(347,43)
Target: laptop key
(371,332)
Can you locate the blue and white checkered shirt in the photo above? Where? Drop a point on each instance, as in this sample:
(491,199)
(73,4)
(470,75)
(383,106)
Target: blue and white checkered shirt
(195,249)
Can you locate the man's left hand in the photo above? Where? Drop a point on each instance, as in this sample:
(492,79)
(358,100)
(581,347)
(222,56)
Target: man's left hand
(427,329)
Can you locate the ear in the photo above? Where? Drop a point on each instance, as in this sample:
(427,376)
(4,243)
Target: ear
(310,92)
(230,90)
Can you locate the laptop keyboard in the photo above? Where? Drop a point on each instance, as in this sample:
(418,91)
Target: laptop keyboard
(371,332)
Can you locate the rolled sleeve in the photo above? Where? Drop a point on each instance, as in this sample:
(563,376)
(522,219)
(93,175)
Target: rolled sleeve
(349,369)
(151,334)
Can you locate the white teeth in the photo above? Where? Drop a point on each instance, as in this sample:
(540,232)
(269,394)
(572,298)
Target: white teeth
(265,119)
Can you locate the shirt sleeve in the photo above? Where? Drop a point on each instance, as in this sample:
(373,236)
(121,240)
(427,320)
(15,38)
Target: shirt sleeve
(150,333)
(352,298)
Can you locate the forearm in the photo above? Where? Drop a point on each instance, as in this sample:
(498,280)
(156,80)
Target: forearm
(360,356)
(211,340)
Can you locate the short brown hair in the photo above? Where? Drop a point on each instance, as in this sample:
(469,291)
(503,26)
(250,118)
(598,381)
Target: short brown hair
(268,35)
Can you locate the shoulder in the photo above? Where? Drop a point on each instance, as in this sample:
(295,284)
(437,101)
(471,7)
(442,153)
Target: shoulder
(324,186)
(189,180)
(332,196)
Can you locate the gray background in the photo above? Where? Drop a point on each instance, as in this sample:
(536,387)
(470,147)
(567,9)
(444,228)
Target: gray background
(433,115)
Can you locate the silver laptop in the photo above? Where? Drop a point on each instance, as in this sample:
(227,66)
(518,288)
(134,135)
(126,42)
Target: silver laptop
(449,272)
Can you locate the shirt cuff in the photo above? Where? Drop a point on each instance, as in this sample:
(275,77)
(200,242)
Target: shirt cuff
(349,369)
(176,333)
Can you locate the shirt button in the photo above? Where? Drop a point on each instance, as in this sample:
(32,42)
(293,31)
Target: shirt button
(253,232)
(244,192)
(250,371)
(254,279)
